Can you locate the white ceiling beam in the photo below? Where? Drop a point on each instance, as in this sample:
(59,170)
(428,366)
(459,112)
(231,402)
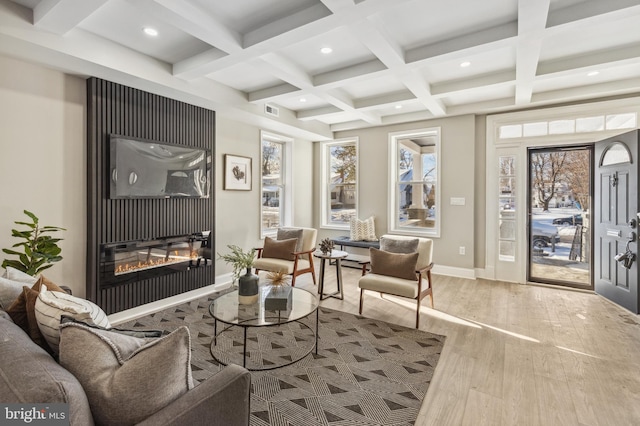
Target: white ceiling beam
(587,92)
(499,78)
(294,21)
(589,9)
(462,46)
(361,71)
(60,16)
(188,71)
(284,69)
(621,55)
(379,42)
(383,100)
(410,116)
(315,113)
(494,105)
(194,20)
(269,94)
(349,125)
(331,79)
(192,67)
(284,32)
(421,89)
(532,18)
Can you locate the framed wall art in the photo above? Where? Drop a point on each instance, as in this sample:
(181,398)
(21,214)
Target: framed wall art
(237,173)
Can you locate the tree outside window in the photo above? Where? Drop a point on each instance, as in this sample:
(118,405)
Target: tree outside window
(340,165)
(272,186)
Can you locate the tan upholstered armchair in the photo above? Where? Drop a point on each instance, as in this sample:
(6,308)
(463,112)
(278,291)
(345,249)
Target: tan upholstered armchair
(293,258)
(402,268)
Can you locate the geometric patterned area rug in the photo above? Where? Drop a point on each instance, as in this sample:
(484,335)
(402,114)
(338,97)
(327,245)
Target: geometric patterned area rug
(366,372)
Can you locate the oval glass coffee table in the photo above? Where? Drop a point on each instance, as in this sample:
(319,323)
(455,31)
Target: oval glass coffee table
(277,337)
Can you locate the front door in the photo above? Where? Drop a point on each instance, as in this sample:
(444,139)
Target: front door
(616,220)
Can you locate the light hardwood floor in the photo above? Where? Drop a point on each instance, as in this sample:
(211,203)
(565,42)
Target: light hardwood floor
(517,354)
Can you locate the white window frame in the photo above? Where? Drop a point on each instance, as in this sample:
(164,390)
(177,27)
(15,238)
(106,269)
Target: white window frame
(394,226)
(325,176)
(286,203)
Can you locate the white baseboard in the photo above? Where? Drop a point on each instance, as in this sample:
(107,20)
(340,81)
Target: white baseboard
(222,282)
(454,272)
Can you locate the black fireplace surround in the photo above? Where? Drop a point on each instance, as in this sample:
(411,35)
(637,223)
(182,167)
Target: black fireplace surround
(130,261)
(135,230)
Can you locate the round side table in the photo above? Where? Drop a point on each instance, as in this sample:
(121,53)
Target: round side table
(336,256)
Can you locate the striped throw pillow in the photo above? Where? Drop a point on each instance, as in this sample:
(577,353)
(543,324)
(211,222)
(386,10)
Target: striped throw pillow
(51,305)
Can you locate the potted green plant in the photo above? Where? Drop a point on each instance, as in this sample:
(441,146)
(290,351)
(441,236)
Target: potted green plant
(247,283)
(39,249)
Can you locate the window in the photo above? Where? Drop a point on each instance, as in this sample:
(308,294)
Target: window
(507,208)
(577,125)
(340,181)
(415,182)
(275,187)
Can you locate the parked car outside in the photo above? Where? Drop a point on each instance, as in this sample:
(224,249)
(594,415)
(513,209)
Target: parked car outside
(576,219)
(544,234)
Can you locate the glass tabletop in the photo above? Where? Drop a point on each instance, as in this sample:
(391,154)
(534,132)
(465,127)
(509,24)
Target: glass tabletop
(227,309)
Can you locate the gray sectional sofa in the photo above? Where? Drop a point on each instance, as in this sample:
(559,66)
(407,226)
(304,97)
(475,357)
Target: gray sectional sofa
(28,374)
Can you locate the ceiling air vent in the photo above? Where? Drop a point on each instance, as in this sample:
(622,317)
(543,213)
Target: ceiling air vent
(271,110)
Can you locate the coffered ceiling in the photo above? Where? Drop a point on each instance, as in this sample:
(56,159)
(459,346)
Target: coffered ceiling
(391,61)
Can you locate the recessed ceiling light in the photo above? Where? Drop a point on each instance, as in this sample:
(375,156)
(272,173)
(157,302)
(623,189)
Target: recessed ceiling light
(465,64)
(150,31)
(326,50)
(303,99)
(593,73)
(398,106)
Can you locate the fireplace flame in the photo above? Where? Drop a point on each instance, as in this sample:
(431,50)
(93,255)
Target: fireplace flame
(154,262)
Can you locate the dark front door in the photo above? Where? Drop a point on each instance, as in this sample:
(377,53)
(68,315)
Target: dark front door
(616,220)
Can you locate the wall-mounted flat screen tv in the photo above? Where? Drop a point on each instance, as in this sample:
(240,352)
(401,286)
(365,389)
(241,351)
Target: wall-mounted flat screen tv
(142,168)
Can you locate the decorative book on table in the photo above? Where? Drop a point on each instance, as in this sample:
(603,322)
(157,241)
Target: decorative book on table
(278,298)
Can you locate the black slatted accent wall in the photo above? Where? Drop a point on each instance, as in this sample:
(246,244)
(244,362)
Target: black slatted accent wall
(117,109)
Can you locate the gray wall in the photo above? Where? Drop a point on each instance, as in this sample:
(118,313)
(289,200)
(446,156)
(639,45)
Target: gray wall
(42,160)
(458,164)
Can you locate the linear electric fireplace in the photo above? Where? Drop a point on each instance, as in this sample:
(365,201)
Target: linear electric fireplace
(129,261)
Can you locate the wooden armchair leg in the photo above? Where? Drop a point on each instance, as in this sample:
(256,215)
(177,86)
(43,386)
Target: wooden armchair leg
(313,269)
(418,313)
(430,288)
(293,280)
(361,296)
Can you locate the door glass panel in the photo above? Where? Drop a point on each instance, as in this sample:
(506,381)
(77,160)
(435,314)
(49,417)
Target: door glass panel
(507,209)
(559,211)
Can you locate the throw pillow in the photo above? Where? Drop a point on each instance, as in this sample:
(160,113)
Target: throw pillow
(23,310)
(11,284)
(9,291)
(17,275)
(276,249)
(393,245)
(362,230)
(51,305)
(288,233)
(126,378)
(397,265)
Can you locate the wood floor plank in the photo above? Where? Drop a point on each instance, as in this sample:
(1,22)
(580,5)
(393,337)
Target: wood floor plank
(517,354)
(482,410)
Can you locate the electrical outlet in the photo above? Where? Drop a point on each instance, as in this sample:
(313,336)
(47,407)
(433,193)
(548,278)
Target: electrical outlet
(462,250)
